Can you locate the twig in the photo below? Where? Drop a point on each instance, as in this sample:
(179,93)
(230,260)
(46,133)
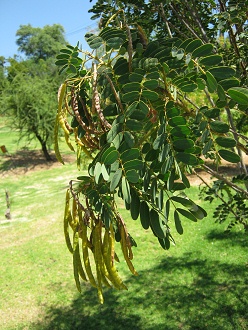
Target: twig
(227,182)
(184,22)
(230,209)
(161,10)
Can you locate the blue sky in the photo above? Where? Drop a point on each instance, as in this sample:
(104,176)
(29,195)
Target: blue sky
(72,15)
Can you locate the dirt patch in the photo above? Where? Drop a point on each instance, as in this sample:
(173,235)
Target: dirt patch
(25,161)
(226,169)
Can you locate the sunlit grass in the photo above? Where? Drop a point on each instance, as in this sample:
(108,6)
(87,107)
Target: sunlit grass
(200,283)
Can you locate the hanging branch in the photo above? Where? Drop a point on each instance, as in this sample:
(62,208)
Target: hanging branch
(218,195)
(227,182)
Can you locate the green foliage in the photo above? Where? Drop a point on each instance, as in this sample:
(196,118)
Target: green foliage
(232,206)
(134,107)
(29,93)
(40,43)
(206,263)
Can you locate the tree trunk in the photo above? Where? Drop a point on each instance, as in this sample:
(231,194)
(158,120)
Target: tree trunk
(44,148)
(45,152)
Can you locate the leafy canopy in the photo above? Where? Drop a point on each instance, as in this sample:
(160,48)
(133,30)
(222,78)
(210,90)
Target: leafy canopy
(134,114)
(40,43)
(29,86)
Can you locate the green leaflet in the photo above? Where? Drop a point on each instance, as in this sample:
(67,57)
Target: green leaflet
(200,213)
(107,215)
(229,83)
(239,95)
(153,190)
(134,125)
(189,87)
(172,112)
(183,144)
(136,77)
(184,201)
(225,142)
(121,66)
(126,190)
(222,72)
(212,113)
(132,86)
(134,164)
(93,41)
(97,172)
(221,93)
(131,96)
(167,210)
(156,224)
(178,120)
(186,158)
(129,139)
(130,154)
(164,243)
(159,141)
(178,223)
(144,108)
(200,83)
(135,205)
(110,156)
(144,215)
(193,45)
(230,156)
(167,165)
(187,214)
(211,60)
(149,63)
(117,140)
(180,131)
(211,82)
(132,176)
(132,107)
(115,179)
(203,50)
(115,129)
(151,84)
(171,179)
(219,127)
(150,95)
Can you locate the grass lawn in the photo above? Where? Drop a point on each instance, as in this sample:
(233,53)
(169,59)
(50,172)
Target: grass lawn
(201,283)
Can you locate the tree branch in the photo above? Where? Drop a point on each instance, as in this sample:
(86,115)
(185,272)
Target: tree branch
(227,182)
(162,13)
(184,21)
(197,19)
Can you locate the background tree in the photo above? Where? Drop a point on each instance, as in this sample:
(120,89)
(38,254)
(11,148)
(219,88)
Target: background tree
(40,43)
(30,97)
(150,111)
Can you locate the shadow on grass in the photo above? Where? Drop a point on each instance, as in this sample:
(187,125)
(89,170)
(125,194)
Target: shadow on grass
(188,292)
(231,238)
(25,160)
